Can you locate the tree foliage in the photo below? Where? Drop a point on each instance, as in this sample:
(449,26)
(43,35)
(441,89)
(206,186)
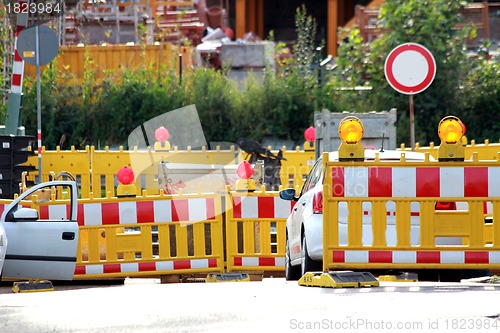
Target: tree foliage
(433,24)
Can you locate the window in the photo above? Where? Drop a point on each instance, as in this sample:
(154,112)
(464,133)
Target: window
(314,176)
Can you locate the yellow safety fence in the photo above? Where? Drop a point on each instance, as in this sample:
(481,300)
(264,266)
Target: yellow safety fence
(95,170)
(158,235)
(485,151)
(76,162)
(145,163)
(297,165)
(146,235)
(411,215)
(256,231)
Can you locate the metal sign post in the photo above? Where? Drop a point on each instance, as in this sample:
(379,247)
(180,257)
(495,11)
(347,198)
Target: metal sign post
(412,123)
(37,46)
(410,69)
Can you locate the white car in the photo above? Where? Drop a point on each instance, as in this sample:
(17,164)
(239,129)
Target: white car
(3,248)
(34,248)
(304,226)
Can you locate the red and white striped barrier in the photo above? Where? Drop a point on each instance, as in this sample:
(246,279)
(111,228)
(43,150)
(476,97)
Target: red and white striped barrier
(265,215)
(152,266)
(261,207)
(415,257)
(259,261)
(453,182)
(18,66)
(133,212)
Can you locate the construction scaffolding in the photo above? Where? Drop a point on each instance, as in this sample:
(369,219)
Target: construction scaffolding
(141,21)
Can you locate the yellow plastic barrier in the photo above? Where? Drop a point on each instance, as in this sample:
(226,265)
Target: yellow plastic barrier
(96,170)
(74,161)
(106,163)
(145,163)
(296,167)
(485,151)
(256,231)
(146,235)
(409,193)
(155,235)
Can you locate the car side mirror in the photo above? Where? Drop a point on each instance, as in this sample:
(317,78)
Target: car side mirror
(25,214)
(288,194)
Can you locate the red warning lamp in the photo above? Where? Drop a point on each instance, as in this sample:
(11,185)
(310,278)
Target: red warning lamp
(310,134)
(161,134)
(125,175)
(126,188)
(244,170)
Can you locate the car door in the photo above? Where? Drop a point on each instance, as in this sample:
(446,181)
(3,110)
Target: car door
(297,215)
(42,248)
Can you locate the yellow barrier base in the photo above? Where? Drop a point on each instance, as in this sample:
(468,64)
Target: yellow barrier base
(344,279)
(228,277)
(128,190)
(403,277)
(32,286)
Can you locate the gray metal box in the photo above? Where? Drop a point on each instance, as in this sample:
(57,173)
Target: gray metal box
(378,126)
(258,54)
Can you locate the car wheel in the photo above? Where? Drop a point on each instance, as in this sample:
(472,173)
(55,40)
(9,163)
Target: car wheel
(308,265)
(292,273)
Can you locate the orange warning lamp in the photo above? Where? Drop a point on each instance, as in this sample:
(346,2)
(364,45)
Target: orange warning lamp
(351,129)
(161,136)
(126,177)
(450,131)
(245,172)
(351,132)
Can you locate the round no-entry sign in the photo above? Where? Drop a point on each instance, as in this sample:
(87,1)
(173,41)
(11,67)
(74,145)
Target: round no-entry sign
(410,68)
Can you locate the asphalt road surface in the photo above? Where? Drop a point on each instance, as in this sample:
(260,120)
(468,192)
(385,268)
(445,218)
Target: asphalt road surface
(273,305)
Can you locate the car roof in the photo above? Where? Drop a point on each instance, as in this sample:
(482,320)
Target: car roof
(386,155)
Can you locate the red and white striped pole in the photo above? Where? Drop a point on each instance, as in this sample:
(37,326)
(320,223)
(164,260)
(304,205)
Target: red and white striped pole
(16,89)
(18,68)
